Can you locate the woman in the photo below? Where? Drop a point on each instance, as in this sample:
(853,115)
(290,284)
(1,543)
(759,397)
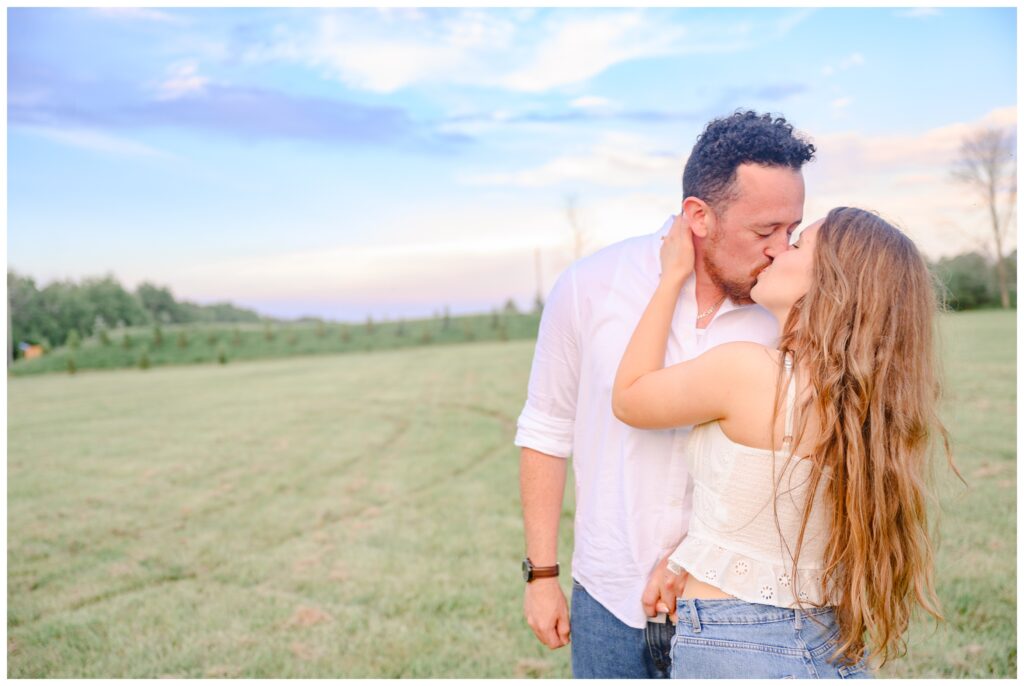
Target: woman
(808,544)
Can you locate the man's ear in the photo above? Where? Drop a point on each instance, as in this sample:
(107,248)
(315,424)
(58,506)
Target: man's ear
(699,216)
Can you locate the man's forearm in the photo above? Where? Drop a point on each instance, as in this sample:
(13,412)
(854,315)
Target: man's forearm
(541,487)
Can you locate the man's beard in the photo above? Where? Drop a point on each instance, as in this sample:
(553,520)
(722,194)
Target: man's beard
(736,290)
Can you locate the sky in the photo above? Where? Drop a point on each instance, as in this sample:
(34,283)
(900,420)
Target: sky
(350,162)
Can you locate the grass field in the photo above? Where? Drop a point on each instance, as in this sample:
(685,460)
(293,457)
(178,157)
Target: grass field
(357,515)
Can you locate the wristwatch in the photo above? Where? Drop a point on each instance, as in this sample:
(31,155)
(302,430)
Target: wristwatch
(530,572)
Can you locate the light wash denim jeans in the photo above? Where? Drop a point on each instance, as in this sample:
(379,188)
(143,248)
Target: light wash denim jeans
(603,647)
(732,638)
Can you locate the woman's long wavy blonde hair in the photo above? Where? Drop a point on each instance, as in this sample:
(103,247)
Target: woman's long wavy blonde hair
(865,334)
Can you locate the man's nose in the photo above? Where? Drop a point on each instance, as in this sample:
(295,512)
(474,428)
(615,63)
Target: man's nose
(777,245)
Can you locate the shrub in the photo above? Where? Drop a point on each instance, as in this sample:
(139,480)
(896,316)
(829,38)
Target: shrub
(222,354)
(212,338)
(73,340)
(144,359)
(182,340)
(369,325)
(72,368)
(236,337)
(321,330)
(345,335)
(126,342)
(425,336)
(268,332)
(104,337)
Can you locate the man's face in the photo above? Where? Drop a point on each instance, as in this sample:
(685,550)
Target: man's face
(746,235)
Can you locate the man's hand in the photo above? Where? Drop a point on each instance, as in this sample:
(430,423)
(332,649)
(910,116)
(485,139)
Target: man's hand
(546,612)
(663,588)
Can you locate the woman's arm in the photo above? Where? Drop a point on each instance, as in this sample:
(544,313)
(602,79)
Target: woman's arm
(645,394)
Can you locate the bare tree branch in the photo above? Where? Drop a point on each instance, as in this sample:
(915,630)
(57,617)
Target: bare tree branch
(987,166)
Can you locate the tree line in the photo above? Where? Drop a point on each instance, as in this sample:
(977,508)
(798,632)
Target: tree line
(971,281)
(64,310)
(61,310)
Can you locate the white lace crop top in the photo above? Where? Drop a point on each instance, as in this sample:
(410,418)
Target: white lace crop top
(734,541)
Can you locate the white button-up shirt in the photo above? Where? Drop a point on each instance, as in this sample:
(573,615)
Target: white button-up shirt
(633,498)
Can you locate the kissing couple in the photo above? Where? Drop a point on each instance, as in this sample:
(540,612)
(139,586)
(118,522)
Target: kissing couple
(750,410)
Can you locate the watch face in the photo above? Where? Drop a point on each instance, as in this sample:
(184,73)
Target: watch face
(527,569)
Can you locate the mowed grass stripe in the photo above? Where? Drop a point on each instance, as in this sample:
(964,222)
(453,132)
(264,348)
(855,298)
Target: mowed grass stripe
(358,515)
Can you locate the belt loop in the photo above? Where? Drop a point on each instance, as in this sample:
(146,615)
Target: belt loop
(694,620)
(796,619)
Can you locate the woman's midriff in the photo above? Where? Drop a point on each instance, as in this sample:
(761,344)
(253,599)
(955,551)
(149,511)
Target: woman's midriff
(701,591)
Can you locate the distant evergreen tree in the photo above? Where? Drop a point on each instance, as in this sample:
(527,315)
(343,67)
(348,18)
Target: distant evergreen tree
(182,339)
(236,337)
(400,329)
(73,340)
(144,358)
(321,329)
(71,364)
(158,336)
(369,325)
(345,335)
(268,332)
(222,354)
(447,321)
(126,341)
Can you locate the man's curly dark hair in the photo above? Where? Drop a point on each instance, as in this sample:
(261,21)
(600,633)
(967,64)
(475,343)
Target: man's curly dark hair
(728,142)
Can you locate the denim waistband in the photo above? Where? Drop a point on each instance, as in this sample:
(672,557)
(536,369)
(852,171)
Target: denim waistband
(735,611)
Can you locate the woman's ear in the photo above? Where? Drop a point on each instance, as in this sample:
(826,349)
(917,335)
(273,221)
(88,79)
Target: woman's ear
(699,215)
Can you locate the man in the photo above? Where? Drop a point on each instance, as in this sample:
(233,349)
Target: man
(743,195)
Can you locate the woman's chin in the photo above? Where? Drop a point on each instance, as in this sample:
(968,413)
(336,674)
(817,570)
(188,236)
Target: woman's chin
(755,294)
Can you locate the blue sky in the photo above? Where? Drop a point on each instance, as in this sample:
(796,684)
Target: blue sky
(345,162)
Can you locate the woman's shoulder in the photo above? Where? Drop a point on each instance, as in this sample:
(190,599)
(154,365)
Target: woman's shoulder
(745,362)
(746,352)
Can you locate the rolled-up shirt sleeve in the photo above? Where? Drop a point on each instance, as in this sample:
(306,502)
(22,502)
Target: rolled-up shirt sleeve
(549,416)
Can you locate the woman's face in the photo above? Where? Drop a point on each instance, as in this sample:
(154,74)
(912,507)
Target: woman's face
(788,277)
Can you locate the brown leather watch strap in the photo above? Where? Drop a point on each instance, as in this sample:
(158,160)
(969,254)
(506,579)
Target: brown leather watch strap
(531,573)
(544,572)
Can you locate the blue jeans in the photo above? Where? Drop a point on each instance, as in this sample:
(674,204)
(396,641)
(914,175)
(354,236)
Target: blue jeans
(732,638)
(603,647)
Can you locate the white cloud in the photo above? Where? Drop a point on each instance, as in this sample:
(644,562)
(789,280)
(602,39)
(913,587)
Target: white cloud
(841,103)
(183,78)
(855,59)
(387,51)
(139,14)
(905,177)
(589,102)
(94,140)
(477,257)
(620,160)
(918,12)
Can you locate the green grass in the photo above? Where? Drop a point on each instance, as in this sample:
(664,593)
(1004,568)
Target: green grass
(358,516)
(180,344)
